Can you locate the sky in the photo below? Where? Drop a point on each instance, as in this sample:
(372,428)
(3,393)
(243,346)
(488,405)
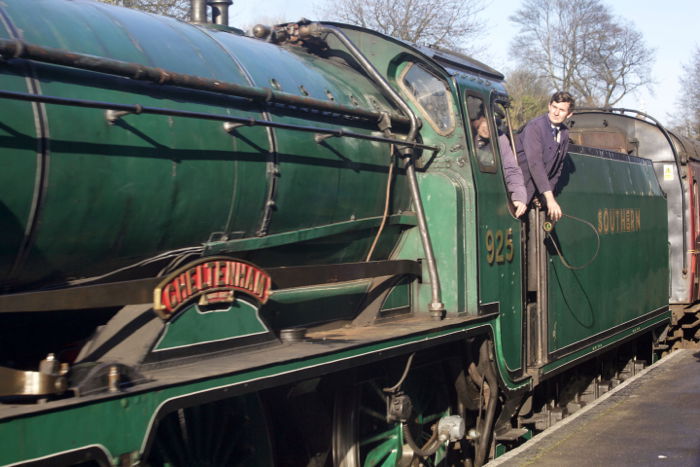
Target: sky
(670,27)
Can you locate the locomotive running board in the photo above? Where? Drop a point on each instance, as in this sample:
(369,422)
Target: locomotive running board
(141,291)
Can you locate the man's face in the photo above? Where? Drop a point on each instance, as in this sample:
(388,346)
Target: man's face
(558,112)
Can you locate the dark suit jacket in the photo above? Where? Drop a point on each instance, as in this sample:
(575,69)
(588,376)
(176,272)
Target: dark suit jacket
(540,157)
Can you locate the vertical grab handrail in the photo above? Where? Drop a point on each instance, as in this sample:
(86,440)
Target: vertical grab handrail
(436,307)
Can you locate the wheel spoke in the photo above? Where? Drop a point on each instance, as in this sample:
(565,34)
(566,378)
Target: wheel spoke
(389,434)
(384,454)
(372,413)
(229,432)
(363,437)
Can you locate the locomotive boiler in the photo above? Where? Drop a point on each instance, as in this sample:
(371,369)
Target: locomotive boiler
(286,249)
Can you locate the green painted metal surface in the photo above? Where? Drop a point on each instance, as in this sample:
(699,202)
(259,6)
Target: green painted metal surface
(195,326)
(447,191)
(399,298)
(606,343)
(446,205)
(462,204)
(499,248)
(304,306)
(343,179)
(21,144)
(629,276)
(310,235)
(120,424)
(118,193)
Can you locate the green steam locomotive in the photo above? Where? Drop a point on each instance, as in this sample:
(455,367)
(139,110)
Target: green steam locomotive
(219,249)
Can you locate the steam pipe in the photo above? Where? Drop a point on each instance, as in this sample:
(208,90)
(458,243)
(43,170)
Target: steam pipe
(10,49)
(199,11)
(436,307)
(114,111)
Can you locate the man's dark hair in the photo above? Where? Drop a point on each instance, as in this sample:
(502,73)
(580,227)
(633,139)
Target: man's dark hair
(563,96)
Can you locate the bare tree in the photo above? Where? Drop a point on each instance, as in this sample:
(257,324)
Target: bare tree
(687,122)
(578,46)
(444,23)
(176,8)
(529,95)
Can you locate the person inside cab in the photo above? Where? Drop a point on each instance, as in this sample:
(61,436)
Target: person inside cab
(511,170)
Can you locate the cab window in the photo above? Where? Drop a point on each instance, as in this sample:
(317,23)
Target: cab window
(501,121)
(431,95)
(481,134)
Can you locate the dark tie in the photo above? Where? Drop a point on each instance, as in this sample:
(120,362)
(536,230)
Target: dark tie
(555,132)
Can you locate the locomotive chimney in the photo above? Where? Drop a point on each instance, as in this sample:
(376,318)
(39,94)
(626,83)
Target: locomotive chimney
(219,11)
(199,11)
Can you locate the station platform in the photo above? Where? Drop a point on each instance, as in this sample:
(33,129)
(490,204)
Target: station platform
(650,419)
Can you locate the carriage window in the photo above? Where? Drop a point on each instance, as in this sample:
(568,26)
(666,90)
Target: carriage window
(431,95)
(481,134)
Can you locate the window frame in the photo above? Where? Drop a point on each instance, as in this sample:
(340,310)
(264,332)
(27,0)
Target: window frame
(421,109)
(505,106)
(493,142)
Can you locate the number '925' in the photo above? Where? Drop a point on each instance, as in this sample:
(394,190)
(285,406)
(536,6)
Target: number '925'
(499,246)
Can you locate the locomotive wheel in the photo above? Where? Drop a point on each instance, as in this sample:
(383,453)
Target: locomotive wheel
(363,437)
(226,432)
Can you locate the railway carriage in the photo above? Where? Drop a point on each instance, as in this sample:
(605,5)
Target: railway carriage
(287,250)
